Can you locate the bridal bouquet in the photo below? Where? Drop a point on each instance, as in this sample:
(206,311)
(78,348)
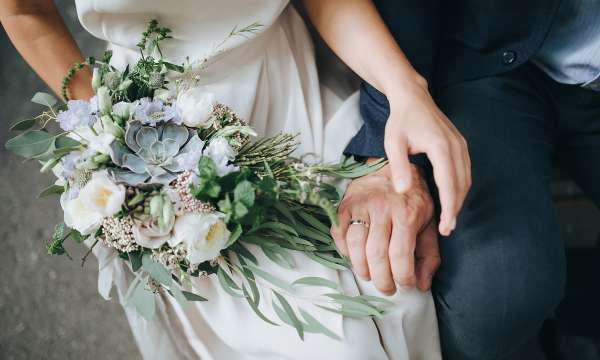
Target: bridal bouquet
(153,167)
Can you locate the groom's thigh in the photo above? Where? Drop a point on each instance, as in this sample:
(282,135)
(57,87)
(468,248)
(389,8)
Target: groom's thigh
(502,269)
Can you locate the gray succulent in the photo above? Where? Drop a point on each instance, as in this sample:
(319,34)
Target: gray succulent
(154,155)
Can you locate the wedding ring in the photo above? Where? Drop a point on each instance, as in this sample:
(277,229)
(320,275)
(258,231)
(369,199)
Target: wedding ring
(359,222)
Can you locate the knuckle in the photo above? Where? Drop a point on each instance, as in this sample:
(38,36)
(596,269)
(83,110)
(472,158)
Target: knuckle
(386,287)
(407,281)
(377,253)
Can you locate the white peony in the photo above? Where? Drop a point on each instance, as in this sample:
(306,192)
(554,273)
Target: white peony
(102,195)
(204,235)
(196,106)
(79,217)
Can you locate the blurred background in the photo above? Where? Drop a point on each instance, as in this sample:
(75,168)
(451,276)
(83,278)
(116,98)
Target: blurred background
(50,307)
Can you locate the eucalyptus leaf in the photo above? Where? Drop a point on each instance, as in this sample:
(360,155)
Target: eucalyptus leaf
(43,98)
(291,314)
(50,190)
(156,270)
(255,308)
(270,278)
(176,292)
(135,258)
(314,325)
(23,125)
(325,262)
(30,143)
(317,281)
(227,283)
(143,300)
(279,256)
(193,297)
(314,222)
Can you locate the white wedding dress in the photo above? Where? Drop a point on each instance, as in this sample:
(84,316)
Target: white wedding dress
(270,79)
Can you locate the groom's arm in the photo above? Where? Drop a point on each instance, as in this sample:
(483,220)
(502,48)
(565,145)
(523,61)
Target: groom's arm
(406,121)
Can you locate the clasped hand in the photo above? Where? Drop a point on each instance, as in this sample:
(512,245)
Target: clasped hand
(399,246)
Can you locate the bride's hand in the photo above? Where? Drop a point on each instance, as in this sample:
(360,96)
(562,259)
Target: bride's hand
(416,125)
(401,229)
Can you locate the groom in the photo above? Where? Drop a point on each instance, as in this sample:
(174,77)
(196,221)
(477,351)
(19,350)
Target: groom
(521,82)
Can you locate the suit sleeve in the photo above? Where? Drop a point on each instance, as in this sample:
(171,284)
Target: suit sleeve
(414,24)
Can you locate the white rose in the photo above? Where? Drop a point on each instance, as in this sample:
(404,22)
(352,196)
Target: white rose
(221,153)
(196,106)
(79,217)
(101,195)
(148,234)
(204,235)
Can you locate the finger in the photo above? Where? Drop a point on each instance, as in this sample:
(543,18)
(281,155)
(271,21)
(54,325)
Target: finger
(397,153)
(444,173)
(377,254)
(428,257)
(356,238)
(402,254)
(338,233)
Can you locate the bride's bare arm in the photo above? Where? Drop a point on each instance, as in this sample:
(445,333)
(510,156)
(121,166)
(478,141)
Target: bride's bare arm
(358,35)
(39,34)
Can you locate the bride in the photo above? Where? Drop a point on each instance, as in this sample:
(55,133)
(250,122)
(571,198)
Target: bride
(268,77)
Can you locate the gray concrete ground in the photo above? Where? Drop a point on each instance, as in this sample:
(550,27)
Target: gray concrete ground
(49,306)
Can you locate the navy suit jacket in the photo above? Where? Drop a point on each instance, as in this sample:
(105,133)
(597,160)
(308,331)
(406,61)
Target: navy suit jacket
(452,41)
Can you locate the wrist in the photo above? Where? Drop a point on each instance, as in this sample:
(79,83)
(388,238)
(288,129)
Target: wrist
(402,89)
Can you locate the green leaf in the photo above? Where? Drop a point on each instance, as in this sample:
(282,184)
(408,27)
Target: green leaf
(23,125)
(227,283)
(314,326)
(135,258)
(355,304)
(207,169)
(176,292)
(255,308)
(30,143)
(241,250)
(284,209)
(326,262)
(244,193)
(43,98)
(64,141)
(291,314)
(317,281)
(279,255)
(234,235)
(240,210)
(156,270)
(173,67)
(193,297)
(50,190)
(313,221)
(278,226)
(143,300)
(270,278)
(77,236)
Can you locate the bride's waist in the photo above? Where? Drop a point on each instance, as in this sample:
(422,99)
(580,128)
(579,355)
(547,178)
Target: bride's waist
(221,58)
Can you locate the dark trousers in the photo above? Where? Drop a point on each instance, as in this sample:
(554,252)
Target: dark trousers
(503,269)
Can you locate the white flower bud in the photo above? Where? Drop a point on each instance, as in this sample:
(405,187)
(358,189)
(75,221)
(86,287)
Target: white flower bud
(104,100)
(96,79)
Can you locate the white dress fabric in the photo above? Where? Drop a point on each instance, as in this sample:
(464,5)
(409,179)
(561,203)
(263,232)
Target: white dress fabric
(269,79)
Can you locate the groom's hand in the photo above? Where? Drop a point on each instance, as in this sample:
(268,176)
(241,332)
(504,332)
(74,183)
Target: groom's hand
(399,245)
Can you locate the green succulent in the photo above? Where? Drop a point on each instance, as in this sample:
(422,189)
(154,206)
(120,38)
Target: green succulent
(154,155)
